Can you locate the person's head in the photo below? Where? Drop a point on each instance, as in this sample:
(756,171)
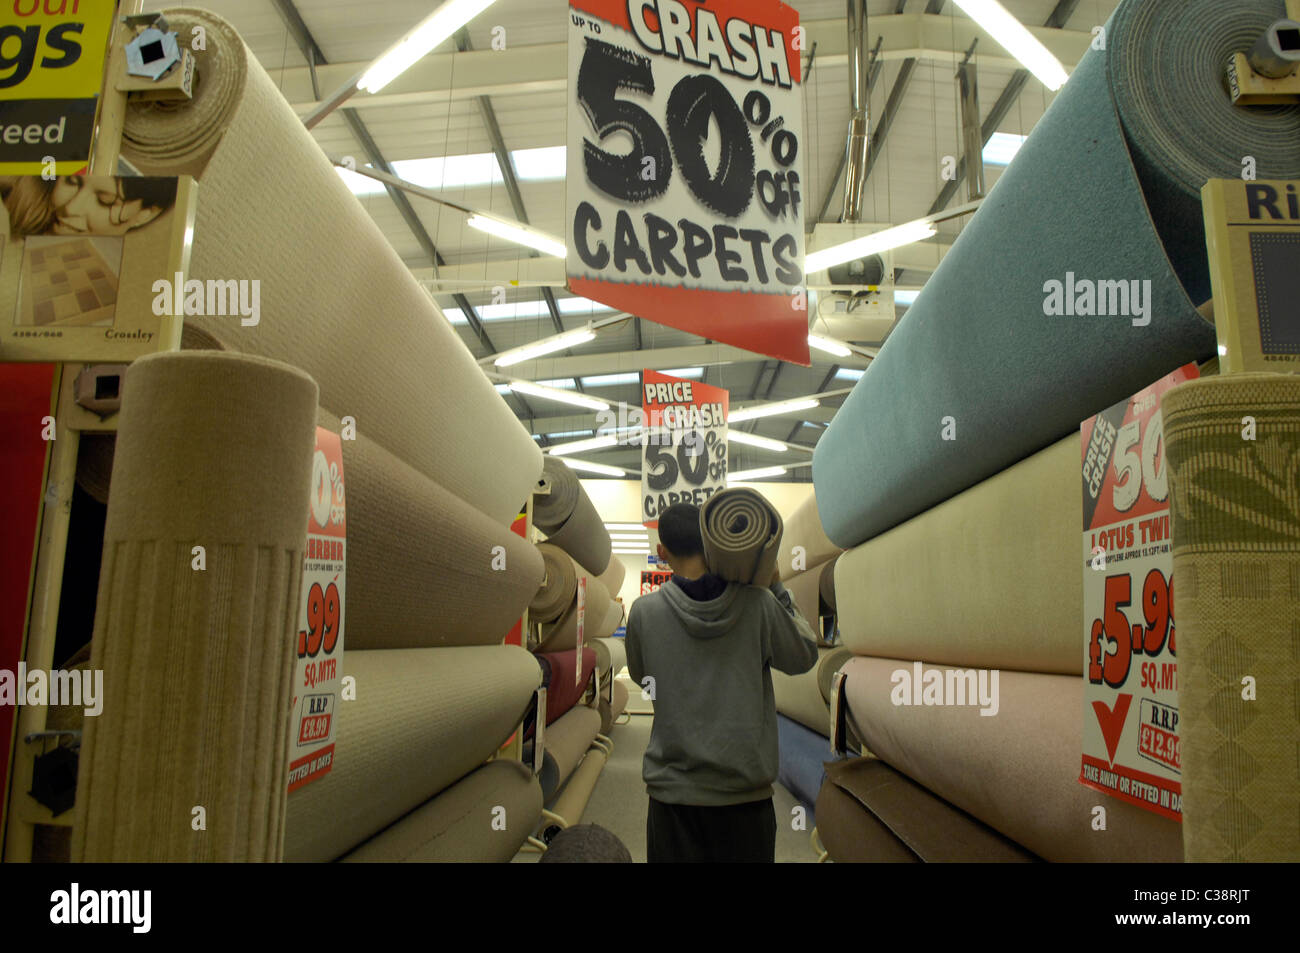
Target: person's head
(680,542)
(108,206)
(586,844)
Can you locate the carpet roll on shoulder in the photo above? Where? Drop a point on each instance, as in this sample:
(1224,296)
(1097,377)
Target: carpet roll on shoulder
(423,566)
(563,634)
(742,536)
(804,543)
(1235,519)
(462,824)
(572,801)
(1017,772)
(422,719)
(806,698)
(568,518)
(213,451)
(566,741)
(612,578)
(333,297)
(935,588)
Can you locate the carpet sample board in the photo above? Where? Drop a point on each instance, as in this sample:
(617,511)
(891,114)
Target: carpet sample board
(423,566)
(936,587)
(1121,156)
(804,543)
(558,677)
(484,818)
(863,795)
(803,755)
(742,535)
(572,801)
(1015,771)
(1235,519)
(568,518)
(422,720)
(213,450)
(566,741)
(335,298)
(563,634)
(806,698)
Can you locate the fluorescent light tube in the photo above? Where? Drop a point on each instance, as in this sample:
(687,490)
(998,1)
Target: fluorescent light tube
(872,244)
(644,537)
(628,527)
(594,467)
(771,410)
(560,396)
(829,345)
(743,475)
(518,234)
(1011,34)
(427,34)
(557,342)
(739,436)
(578,446)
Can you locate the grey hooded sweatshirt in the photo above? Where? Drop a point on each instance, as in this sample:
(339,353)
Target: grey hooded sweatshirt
(714,737)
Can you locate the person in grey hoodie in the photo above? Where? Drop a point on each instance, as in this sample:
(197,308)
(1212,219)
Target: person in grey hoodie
(703,650)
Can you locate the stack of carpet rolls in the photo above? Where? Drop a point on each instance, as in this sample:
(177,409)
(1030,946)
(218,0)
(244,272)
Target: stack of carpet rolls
(956,490)
(436,468)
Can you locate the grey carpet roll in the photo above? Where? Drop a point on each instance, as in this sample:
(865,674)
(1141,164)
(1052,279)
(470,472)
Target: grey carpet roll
(568,518)
(806,698)
(742,535)
(1072,207)
(423,566)
(936,587)
(335,298)
(563,634)
(612,577)
(213,450)
(1017,771)
(566,740)
(422,719)
(573,800)
(484,818)
(611,656)
(1235,519)
(805,543)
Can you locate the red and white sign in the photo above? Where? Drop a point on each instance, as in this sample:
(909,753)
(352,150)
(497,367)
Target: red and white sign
(652,579)
(317,680)
(1130,698)
(684,443)
(685,200)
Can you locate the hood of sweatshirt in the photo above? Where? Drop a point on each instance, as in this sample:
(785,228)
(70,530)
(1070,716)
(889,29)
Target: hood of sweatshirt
(704,620)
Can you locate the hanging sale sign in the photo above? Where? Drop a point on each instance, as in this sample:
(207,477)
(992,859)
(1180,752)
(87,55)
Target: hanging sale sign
(684,443)
(652,579)
(317,681)
(684,193)
(1130,699)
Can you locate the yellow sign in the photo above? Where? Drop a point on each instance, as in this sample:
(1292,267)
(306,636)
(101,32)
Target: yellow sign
(52,55)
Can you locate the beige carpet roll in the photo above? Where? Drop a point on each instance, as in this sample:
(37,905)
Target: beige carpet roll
(213,451)
(611,710)
(805,591)
(611,656)
(1017,771)
(612,578)
(742,536)
(568,518)
(563,634)
(484,818)
(334,297)
(422,719)
(804,543)
(806,697)
(425,568)
(559,583)
(619,704)
(1233,446)
(826,584)
(566,740)
(612,619)
(937,587)
(573,800)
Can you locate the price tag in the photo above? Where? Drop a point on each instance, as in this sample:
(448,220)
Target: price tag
(582,620)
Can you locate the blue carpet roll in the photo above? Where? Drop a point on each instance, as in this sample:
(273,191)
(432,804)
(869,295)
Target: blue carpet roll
(985,368)
(803,757)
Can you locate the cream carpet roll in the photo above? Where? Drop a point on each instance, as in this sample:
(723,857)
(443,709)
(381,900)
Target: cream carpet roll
(573,800)
(804,543)
(558,585)
(742,536)
(619,704)
(422,719)
(335,298)
(484,818)
(805,591)
(612,578)
(566,741)
(1233,446)
(826,585)
(568,518)
(564,633)
(938,586)
(1016,771)
(213,451)
(425,568)
(611,656)
(806,698)
(609,624)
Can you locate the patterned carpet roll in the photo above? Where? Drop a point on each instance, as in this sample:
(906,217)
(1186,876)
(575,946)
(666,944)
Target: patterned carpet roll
(1233,447)
(568,518)
(213,450)
(742,535)
(804,543)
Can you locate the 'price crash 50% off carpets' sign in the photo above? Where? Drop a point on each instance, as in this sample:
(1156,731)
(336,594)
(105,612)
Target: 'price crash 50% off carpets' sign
(684,196)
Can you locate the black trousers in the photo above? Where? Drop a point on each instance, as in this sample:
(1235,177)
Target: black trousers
(689,834)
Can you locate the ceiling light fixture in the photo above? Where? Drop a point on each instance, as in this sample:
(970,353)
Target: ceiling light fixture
(829,345)
(559,396)
(426,35)
(628,527)
(519,234)
(1012,36)
(556,342)
(772,410)
(739,436)
(872,244)
(743,475)
(594,467)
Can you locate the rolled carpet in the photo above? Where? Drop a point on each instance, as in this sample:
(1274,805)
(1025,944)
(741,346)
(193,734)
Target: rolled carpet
(422,719)
(334,297)
(947,580)
(569,519)
(563,634)
(563,691)
(558,586)
(866,808)
(425,568)
(611,656)
(1235,519)
(742,536)
(484,818)
(566,741)
(1121,156)
(826,587)
(213,451)
(619,703)
(805,543)
(806,698)
(1016,771)
(573,800)
(805,591)
(612,577)
(802,765)
(609,624)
